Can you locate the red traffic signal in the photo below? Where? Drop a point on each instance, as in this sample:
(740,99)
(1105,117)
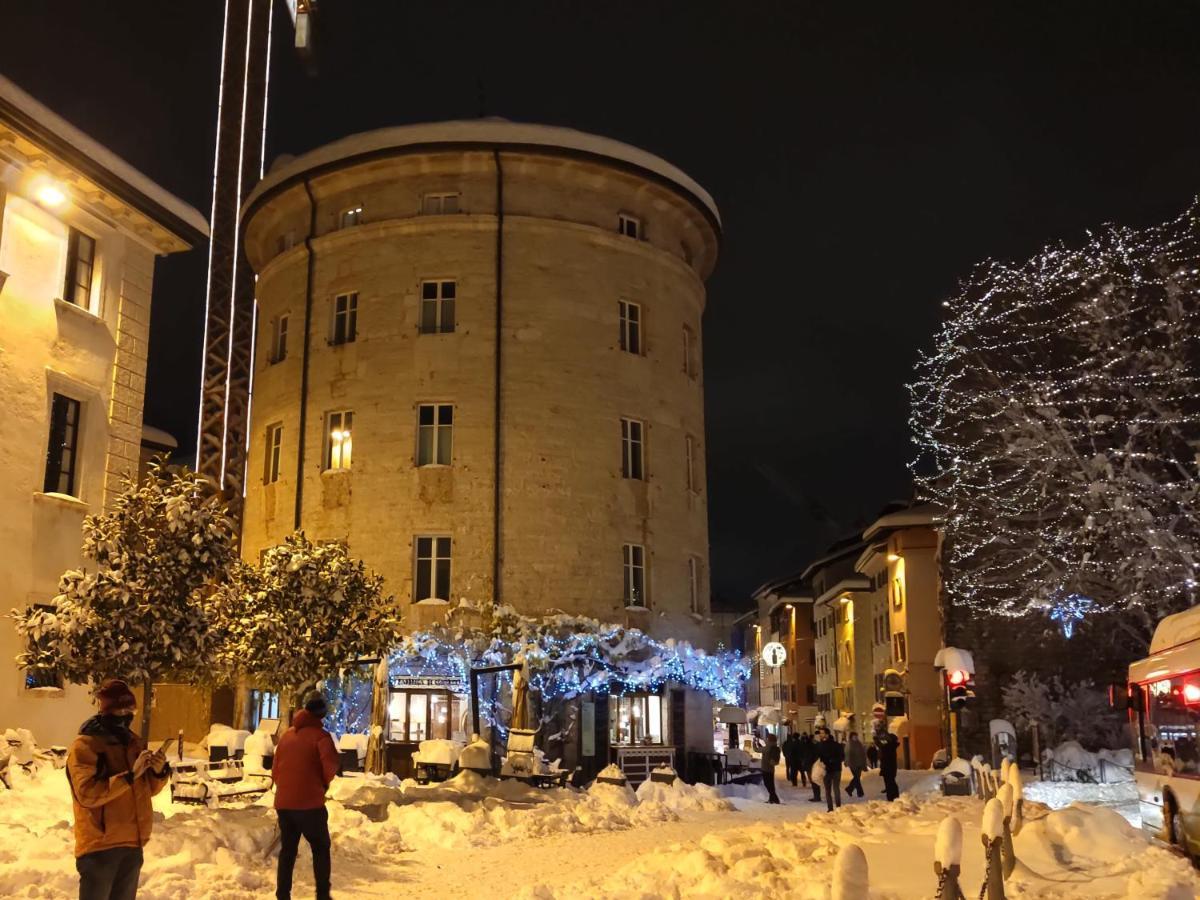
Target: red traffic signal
(957,677)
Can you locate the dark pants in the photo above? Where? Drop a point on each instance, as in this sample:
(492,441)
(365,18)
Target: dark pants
(890,788)
(803,769)
(769,784)
(109,874)
(792,771)
(313,824)
(833,788)
(855,782)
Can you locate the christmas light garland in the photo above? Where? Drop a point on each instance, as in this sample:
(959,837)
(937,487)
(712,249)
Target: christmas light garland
(1057,422)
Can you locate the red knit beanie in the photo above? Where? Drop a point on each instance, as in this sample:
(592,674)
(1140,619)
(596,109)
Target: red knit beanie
(115,694)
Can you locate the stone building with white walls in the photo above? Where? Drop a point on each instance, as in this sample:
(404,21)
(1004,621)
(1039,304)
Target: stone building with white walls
(478,364)
(79,232)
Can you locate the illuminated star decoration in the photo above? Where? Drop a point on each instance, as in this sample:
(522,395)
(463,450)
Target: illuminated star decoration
(1069,610)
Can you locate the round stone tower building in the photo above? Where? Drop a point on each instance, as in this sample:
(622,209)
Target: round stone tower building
(478,364)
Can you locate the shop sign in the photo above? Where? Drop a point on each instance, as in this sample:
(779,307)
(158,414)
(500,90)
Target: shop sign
(774,654)
(427,682)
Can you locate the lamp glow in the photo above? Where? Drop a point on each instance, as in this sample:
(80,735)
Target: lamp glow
(50,194)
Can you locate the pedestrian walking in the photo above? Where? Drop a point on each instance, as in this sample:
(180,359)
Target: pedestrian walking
(304,767)
(832,755)
(872,756)
(113,778)
(791,756)
(770,759)
(856,762)
(888,746)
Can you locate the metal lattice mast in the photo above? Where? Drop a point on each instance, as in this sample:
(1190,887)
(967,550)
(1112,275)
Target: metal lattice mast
(229,324)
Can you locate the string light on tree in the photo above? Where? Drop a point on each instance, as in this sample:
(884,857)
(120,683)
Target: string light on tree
(1057,421)
(1068,611)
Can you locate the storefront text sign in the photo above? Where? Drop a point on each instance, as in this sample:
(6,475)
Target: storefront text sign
(428,682)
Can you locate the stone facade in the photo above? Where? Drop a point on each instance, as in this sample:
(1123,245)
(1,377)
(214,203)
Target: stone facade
(565,510)
(92,351)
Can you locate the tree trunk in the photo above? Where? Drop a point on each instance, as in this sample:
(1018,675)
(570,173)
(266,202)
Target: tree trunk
(147,700)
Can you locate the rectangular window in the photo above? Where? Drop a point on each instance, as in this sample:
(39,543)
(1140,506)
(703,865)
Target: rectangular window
(632,449)
(900,647)
(898,592)
(339,445)
(271,463)
(279,336)
(345,319)
(350,217)
(810,694)
(635,575)
(432,578)
(435,434)
(690,463)
(81,263)
(62,450)
(694,584)
(631,327)
(629,226)
(439,204)
(437,306)
(691,363)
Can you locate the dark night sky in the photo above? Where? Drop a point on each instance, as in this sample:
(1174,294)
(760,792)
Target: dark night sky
(863,161)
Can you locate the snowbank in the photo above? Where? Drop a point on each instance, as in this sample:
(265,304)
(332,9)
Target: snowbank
(1070,762)
(680,797)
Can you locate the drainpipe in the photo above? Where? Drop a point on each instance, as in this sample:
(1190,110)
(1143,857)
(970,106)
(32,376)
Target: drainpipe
(497,448)
(308,306)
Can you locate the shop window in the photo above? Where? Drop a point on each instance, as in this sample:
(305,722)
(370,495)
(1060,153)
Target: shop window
(630,226)
(637,719)
(435,434)
(339,443)
(425,715)
(635,574)
(432,578)
(437,306)
(350,217)
(274,444)
(631,326)
(62,449)
(263,705)
(81,263)
(345,319)
(633,463)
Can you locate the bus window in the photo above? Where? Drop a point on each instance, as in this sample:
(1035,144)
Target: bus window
(1174,726)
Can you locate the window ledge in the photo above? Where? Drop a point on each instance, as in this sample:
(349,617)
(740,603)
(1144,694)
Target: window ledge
(335,473)
(644,609)
(432,601)
(45,693)
(85,314)
(60,499)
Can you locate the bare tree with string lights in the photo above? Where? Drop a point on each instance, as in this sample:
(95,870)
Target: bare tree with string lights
(1057,421)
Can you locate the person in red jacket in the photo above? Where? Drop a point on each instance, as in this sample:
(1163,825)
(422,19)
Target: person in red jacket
(304,767)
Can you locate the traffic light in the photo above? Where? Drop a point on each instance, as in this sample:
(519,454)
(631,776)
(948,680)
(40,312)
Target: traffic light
(960,688)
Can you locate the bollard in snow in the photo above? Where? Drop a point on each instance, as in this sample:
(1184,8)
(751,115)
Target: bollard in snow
(851,880)
(989,782)
(1008,852)
(947,859)
(1018,816)
(993,839)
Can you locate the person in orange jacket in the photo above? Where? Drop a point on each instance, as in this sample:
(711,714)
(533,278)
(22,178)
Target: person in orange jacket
(305,765)
(112,777)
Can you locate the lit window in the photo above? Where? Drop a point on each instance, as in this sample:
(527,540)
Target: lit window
(81,262)
(62,450)
(898,590)
(339,444)
(694,584)
(638,719)
(432,580)
(435,434)
(691,364)
(437,306)
(439,204)
(635,575)
(690,463)
(345,319)
(632,449)
(271,462)
(350,217)
(900,647)
(629,226)
(631,326)
(279,336)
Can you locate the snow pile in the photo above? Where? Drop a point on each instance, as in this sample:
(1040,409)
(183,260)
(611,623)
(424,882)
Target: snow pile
(1123,798)
(1070,762)
(681,797)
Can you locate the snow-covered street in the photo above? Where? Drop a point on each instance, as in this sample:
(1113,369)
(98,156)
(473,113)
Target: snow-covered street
(470,835)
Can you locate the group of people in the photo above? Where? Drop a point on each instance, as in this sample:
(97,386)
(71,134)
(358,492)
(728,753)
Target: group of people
(114,776)
(802,754)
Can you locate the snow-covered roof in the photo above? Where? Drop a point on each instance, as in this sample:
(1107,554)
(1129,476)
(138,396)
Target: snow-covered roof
(492,132)
(925,514)
(158,437)
(48,123)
